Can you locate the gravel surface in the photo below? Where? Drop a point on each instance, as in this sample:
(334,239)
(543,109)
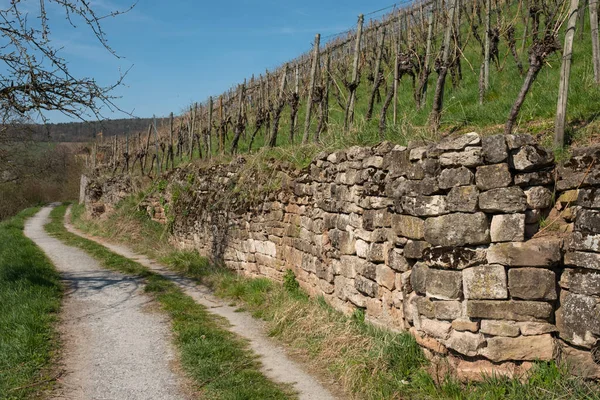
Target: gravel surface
(114,345)
(276,364)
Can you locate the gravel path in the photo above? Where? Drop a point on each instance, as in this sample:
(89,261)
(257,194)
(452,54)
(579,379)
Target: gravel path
(114,345)
(276,365)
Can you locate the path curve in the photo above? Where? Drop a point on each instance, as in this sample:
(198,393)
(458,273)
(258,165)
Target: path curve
(115,346)
(276,365)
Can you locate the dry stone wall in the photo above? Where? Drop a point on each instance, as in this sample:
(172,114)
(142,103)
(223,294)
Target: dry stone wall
(485,249)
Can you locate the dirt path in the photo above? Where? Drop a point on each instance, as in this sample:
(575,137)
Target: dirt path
(115,346)
(276,365)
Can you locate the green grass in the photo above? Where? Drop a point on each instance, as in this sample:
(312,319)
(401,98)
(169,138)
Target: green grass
(219,363)
(368,362)
(30,295)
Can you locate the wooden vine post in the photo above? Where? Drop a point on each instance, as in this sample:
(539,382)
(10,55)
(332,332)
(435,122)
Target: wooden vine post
(156,147)
(565,72)
(349,117)
(486,53)
(376,74)
(221,129)
(438,98)
(595,43)
(209,129)
(324,119)
(426,66)
(239,123)
(171,153)
(278,108)
(311,88)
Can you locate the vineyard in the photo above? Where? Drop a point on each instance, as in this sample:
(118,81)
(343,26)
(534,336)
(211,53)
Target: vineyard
(419,70)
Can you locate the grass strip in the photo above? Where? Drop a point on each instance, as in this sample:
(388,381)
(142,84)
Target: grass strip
(221,364)
(30,295)
(370,363)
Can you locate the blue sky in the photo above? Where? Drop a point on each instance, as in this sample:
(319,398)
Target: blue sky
(183,51)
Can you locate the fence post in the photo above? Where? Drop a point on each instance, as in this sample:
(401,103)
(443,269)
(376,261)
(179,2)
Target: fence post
(349,118)
(311,88)
(565,71)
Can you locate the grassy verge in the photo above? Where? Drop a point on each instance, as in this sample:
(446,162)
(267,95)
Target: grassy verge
(30,294)
(220,364)
(368,362)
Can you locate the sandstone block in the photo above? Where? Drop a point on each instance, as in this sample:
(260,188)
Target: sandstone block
(503,200)
(580,363)
(397,261)
(538,197)
(583,259)
(424,206)
(532,284)
(499,328)
(342,241)
(365,286)
(466,343)
(508,228)
(493,176)
(543,252)
(589,198)
(447,310)
(427,342)
(588,221)
(529,158)
(509,310)
(465,325)
(522,348)
(457,229)
(535,178)
(436,329)
(385,276)
(578,319)
(470,157)
(414,249)
(444,285)
(485,282)
(480,370)
(584,242)
(418,277)
(459,142)
(494,149)
(536,328)
(463,199)
(581,281)
(517,140)
(452,177)
(376,219)
(408,226)
(454,257)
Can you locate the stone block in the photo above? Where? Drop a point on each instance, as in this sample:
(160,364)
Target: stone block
(584,242)
(397,261)
(447,310)
(366,286)
(362,248)
(427,342)
(589,198)
(485,282)
(522,348)
(542,252)
(578,319)
(463,199)
(510,310)
(581,281)
(532,284)
(583,259)
(530,157)
(413,249)
(463,325)
(466,343)
(482,370)
(579,363)
(454,257)
(436,329)
(408,226)
(424,206)
(385,276)
(538,197)
(342,241)
(452,177)
(494,149)
(373,219)
(503,200)
(517,140)
(444,285)
(459,142)
(366,269)
(588,221)
(418,277)
(508,228)
(499,328)
(457,229)
(536,328)
(470,157)
(535,178)
(493,176)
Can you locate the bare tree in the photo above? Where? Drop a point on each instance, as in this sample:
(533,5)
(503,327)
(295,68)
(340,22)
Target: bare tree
(35,77)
